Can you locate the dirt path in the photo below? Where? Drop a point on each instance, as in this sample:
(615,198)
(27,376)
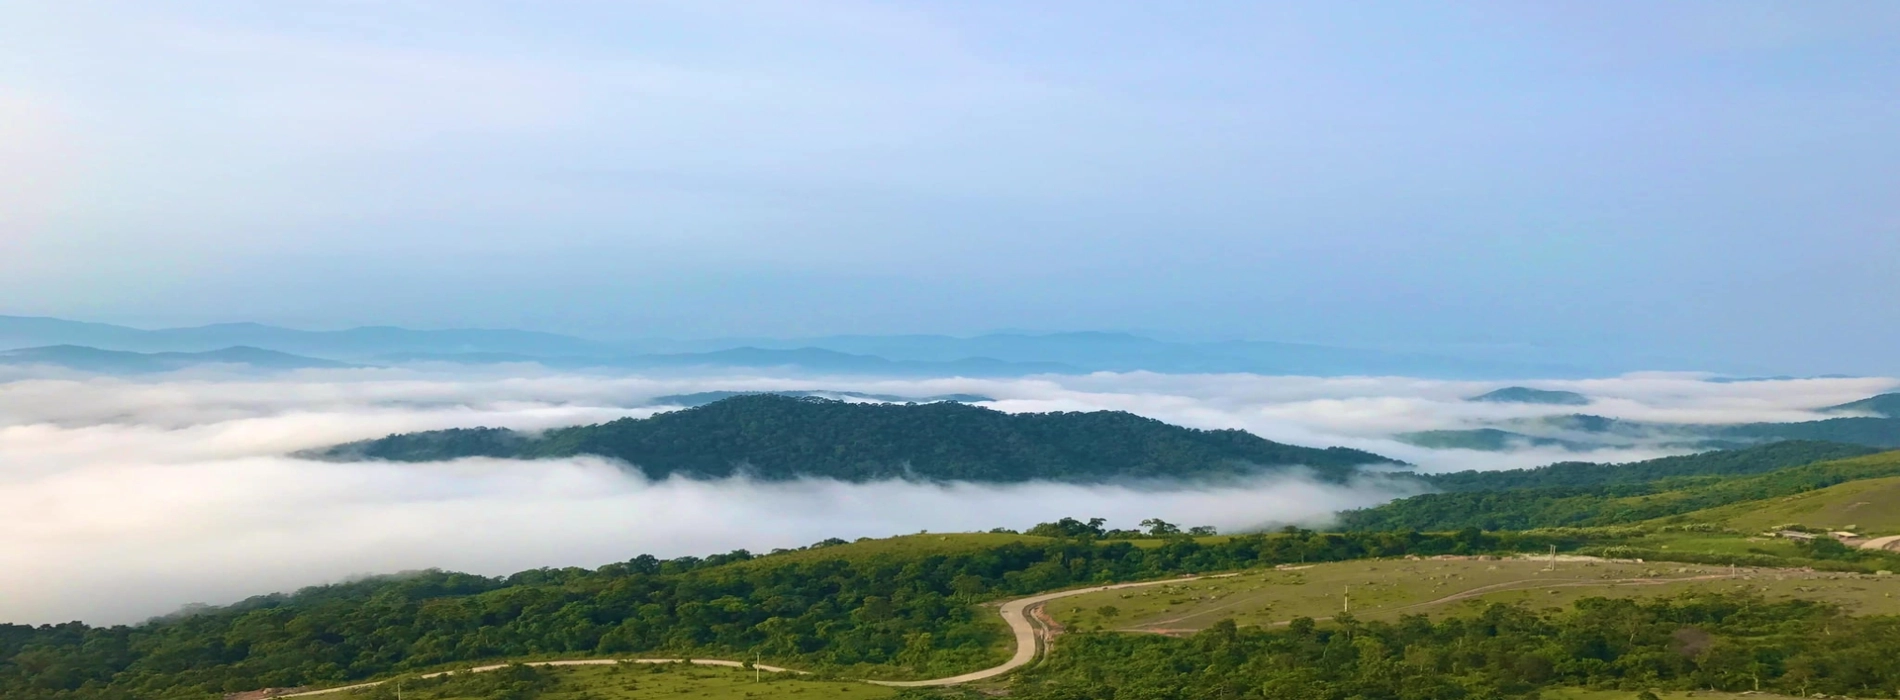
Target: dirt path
(1882,543)
(1032,634)
(1031,631)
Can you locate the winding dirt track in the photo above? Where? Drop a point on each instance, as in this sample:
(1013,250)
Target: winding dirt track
(1032,641)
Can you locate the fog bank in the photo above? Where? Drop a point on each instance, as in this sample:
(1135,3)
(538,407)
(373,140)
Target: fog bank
(126,499)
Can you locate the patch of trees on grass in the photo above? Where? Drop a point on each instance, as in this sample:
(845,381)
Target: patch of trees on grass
(1728,642)
(783,437)
(1095,529)
(887,614)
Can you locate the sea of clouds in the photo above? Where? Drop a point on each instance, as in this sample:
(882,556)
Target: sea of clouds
(126,498)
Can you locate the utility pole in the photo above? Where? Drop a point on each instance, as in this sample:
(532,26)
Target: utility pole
(757,656)
(1552,566)
(1348,598)
(399,689)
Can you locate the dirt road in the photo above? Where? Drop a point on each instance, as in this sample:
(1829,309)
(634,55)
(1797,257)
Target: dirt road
(1032,640)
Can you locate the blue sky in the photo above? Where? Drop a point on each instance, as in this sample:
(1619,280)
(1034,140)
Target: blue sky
(1686,179)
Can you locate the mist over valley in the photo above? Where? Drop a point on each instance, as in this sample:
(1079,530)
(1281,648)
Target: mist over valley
(200,485)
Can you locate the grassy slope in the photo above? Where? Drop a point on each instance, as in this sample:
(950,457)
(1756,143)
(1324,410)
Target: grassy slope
(1766,487)
(1385,589)
(1871,505)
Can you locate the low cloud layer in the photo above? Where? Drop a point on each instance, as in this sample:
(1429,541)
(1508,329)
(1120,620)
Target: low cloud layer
(126,499)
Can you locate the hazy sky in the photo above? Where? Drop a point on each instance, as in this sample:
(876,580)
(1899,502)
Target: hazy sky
(1705,178)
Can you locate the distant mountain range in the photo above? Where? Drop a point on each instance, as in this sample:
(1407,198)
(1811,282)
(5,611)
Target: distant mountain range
(87,359)
(1001,354)
(776,437)
(353,344)
(802,359)
(1124,352)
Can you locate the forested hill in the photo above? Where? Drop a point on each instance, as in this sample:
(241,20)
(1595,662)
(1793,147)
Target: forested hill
(781,437)
(1671,488)
(1752,460)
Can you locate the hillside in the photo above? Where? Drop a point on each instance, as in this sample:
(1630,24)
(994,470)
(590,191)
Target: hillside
(1887,405)
(781,437)
(1610,503)
(860,608)
(1752,460)
(1868,506)
(1877,432)
(914,607)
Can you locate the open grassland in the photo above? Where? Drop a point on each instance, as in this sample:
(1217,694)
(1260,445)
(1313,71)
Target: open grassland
(1871,506)
(626,682)
(1385,589)
(1720,544)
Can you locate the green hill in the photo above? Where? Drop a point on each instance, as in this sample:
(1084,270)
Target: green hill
(1613,503)
(1883,405)
(780,437)
(1877,432)
(1869,506)
(1752,460)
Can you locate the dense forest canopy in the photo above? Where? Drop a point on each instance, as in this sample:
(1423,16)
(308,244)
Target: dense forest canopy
(782,437)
